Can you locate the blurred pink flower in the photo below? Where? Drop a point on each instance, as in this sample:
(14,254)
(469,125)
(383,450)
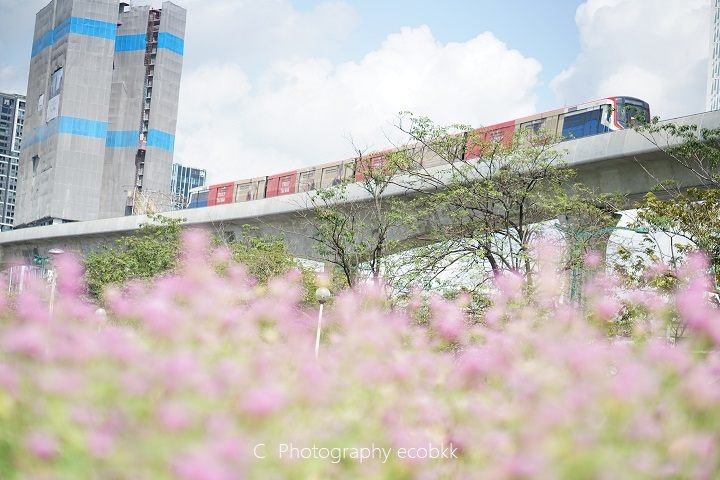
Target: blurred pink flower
(509,284)
(593,259)
(221,255)
(477,363)
(30,307)
(43,445)
(448,319)
(192,370)
(195,245)
(29,340)
(702,386)
(202,466)
(263,401)
(9,378)
(633,382)
(100,443)
(69,273)
(606,308)
(522,466)
(493,315)
(173,416)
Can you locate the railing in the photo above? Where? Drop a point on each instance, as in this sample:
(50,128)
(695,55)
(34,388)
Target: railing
(17,277)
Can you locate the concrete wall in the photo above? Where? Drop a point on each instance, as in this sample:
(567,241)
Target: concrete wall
(33,187)
(66,183)
(81,174)
(164,109)
(125,116)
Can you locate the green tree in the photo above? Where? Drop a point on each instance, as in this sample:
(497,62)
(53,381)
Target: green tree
(150,251)
(356,224)
(689,221)
(692,147)
(264,257)
(680,220)
(483,210)
(267,257)
(154,250)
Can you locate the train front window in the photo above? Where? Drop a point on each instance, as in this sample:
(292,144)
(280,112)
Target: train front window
(631,112)
(198,198)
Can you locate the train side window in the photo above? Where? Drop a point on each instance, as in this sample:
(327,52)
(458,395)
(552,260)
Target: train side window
(222,194)
(244,192)
(533,126)
(582,124)
(307,181)
(285,184)
(496,135)
(330,176)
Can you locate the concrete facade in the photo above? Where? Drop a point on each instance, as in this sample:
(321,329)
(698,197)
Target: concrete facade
(88,145)
(713,84)
(12,120)
(146,87)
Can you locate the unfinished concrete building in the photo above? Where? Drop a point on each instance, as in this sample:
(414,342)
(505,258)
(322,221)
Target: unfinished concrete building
(101,110)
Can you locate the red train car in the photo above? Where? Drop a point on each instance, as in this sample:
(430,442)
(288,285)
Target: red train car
(221,193)
(371,163)
(501,132)
(281,184)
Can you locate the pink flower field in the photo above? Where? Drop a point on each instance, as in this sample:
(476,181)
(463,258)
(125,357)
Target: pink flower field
(208,376)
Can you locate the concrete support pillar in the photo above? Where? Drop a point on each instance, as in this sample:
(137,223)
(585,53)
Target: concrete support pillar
(583,239)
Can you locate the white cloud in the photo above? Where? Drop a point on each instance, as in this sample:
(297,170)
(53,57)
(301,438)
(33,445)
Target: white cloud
(253,31)
(301,110)
(653,49)
(263,89)
(18,18)
(8,74)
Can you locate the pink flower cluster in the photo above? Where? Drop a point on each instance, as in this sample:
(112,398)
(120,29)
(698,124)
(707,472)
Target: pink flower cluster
(207,376)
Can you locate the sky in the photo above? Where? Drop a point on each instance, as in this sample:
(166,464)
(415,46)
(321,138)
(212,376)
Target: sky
(275,85)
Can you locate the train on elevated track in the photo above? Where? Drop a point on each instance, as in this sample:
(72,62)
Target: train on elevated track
(583,120)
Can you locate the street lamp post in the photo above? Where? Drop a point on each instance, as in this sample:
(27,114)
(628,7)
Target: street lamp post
(322,295)
(54,253)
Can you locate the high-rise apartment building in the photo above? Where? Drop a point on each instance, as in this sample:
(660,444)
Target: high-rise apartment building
(713,84)
(12,118)
(183,180)
(101,109)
